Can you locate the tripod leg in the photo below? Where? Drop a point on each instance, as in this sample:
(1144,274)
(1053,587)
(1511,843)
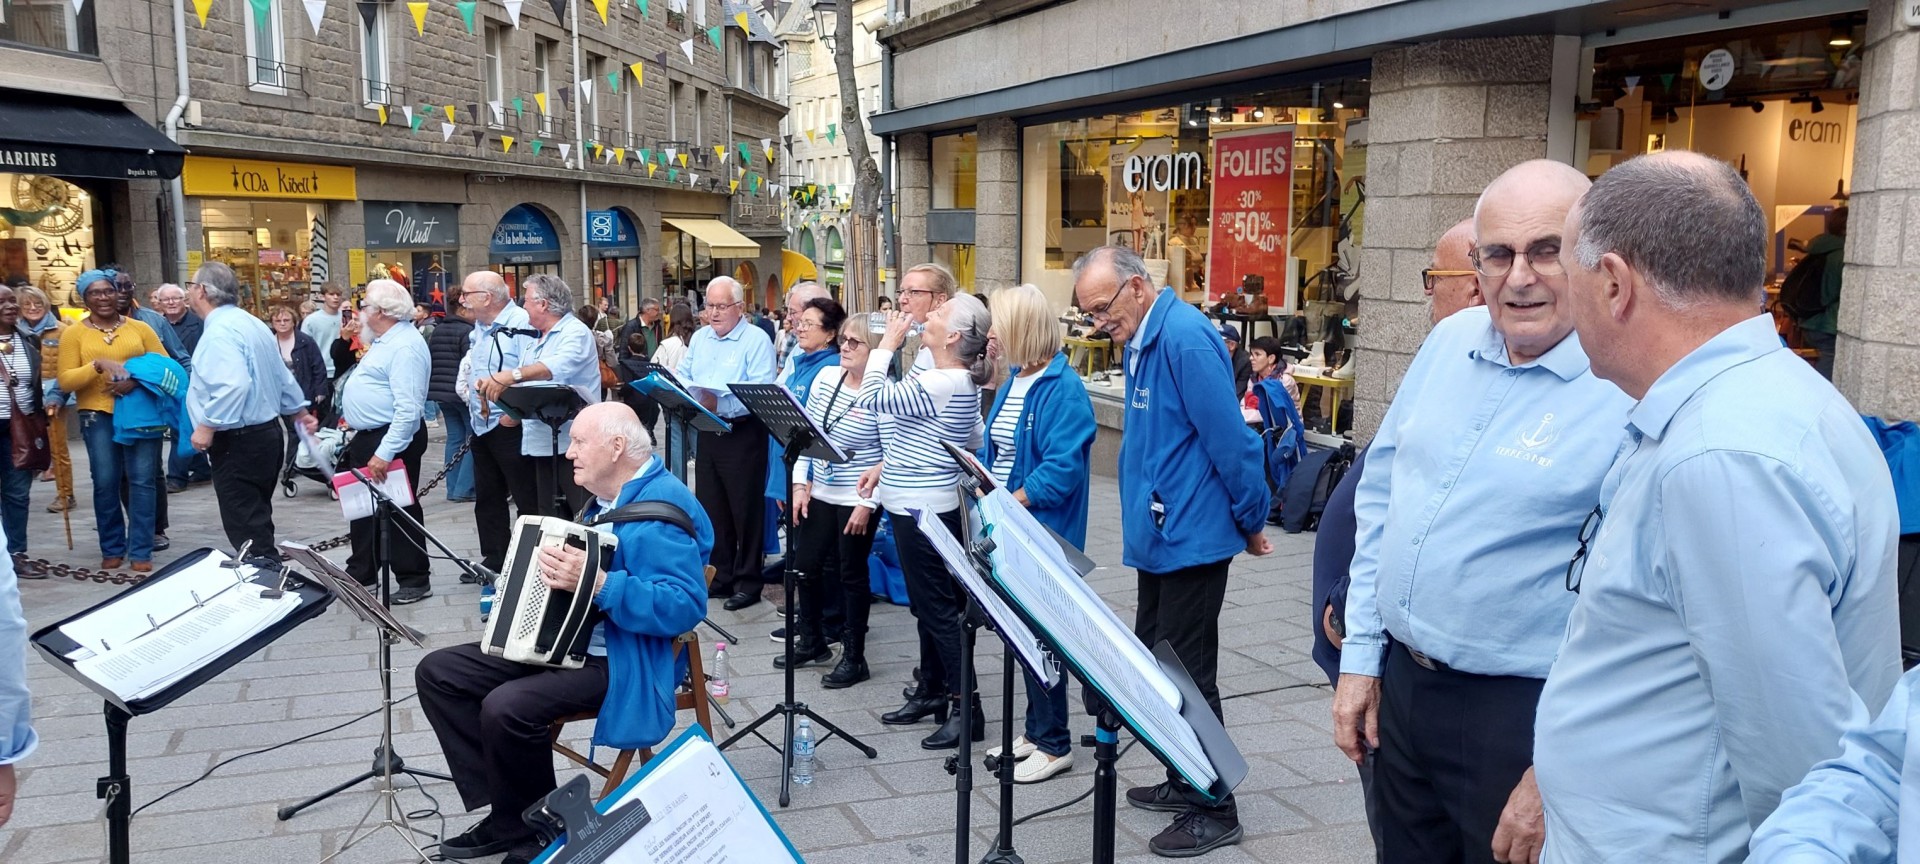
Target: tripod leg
(777,711)
(833,731)
(286,813)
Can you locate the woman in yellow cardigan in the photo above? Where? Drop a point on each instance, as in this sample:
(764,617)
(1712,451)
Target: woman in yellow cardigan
(92,354)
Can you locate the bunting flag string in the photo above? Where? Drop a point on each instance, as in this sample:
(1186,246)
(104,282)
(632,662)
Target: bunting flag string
(382,111)
(673,154)
(833,132)
(499,114)
(479,135)
(584,87)
(473,112)
(566,95)
(720,152)
(519,107)
(685,47)
(565,148)
(316,10)
(600,6)
(620,155)
(809,136)
(446,132)
(407,111)
(651,168)
(673,175)
(202,7)
(419,11)
(741,19)
(746,154)
(540,100)
(643,7)
(613,83)
(513,11)
(417,121)
(506,143)
(535,145)
(767,145)
(733,186)
(559,9)
(449,110)
(639,74)
(683,160)
(693,179)
(713,35)
(1633,83)
(467,8)
(660,58)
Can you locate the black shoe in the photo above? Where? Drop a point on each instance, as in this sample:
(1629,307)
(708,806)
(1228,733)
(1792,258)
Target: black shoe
(778,635)
(919,688)
(404,595)
(740,600)
(524,852)
(481,840)
(1161,797)
(176,486)
(852,668)
(805,653)
(947,736)
(161,543)
(27,568)
(1197,832)
(916,710)
(468,578)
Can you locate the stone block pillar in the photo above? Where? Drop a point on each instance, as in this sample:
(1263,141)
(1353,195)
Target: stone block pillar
(996,221)
(1446,118)
(1878,366)
(912,198)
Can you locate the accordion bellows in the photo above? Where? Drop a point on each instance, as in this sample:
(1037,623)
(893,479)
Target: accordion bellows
(532,623)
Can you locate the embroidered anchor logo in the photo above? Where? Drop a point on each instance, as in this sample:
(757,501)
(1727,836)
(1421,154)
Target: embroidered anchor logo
(1540,437)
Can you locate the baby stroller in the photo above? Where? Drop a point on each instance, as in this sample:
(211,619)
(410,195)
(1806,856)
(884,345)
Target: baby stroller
(333,441)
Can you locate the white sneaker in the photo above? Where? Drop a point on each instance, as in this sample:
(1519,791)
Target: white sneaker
(1040,766)
(1022,748)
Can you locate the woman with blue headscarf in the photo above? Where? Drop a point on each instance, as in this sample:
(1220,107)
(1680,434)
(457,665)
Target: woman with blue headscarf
(93,368)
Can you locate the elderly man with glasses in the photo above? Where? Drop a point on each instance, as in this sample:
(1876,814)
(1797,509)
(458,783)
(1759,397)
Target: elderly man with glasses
(500,334)
(384,403)
(1490,455)
(730,470)
(562,350)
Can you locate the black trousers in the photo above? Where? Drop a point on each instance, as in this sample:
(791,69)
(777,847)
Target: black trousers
(246,467)
(1183,607)
(500,476)
(1452,747)
(406,549)
(491,716)
(730,480)
(936,600)
(556,473)
(827,561)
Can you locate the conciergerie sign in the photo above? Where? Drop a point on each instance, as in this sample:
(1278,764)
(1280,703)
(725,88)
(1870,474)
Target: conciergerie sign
(1252,211)
(210,177)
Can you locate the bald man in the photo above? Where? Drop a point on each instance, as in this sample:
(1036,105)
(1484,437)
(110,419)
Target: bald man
(1451,283)
(730,469)
(1476,485)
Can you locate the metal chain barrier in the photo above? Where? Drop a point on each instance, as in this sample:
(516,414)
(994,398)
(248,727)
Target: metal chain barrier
(109,577)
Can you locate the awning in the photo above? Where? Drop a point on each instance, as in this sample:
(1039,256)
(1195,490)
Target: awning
(726,242)
(67,137)
(795,268)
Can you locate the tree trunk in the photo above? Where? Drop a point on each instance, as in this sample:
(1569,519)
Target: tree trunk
(863,278)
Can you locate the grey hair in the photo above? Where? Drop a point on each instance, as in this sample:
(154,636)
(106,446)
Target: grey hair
(968,317)
(733,287)
(649,303)
(1126,263)
(624,424)
(492,283)
(805,291)
(1686,223)
(551,290)
(390,299)
(218,283)
(944,281)
(166,288)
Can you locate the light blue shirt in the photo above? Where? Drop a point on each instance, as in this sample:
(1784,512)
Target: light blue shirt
(743,356)
(572,358)
(388,387)
(490,351)
(240,380)
(1736,609)
(324,327)
(17,738)
(1861,806)
(1471,503)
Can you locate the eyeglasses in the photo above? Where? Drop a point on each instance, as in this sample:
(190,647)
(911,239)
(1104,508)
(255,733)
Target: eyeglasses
(927,291)
(1430,277)
(802,326)
(848,343)
(732,305)
(465,294)
(1578,566)
(1101,314)
(1543,256)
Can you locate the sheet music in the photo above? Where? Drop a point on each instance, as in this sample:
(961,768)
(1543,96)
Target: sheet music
(116,623)
(315,450)
(147,659)
(1013,630)
(357,503)
(701,813)
(1028,564)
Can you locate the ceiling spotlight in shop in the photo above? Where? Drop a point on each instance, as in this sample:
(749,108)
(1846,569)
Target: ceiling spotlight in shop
(1809,99)
(1259,113)
(1197,114)
(1338,105)
(1748,103)
(1840,37)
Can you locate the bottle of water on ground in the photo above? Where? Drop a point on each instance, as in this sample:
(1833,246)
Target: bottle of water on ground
(486,601)
(803,754)
(717,686)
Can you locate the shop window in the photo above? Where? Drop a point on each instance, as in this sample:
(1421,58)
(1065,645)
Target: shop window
(50,239)
(494,70)
(700,119)
(954,171)
(53,25)
(675,95)
(543,51)
(266,48)
(805,245)
(376,88)
(590,107)
(267,243)
(836,247)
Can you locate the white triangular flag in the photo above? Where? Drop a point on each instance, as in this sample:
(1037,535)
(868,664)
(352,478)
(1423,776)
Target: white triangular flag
(687,48)
(77,4)
(606,156)
(446,131)
(564,149)
(408,110)
(316,9)
(673,153)
(499,111)
(1633,83)
(513,11)
(693,179)
(584,89)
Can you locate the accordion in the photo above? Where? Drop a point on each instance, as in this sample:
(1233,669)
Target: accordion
(535,624)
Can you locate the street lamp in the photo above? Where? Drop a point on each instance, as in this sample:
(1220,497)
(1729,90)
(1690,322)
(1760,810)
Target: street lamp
(825,15)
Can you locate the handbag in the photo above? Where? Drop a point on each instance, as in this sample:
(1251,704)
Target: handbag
(31,451)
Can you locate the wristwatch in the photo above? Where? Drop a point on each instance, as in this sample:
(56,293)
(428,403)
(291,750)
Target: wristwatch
(516,375)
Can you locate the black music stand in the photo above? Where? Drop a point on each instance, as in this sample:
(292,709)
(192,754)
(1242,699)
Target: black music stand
(682,409)
(789,424)
(55,647)
(551,403)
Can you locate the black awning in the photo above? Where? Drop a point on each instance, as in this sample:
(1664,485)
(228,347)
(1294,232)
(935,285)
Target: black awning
(68,137)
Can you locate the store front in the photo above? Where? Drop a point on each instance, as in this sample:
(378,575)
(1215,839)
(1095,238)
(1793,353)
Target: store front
(416,245)
(262,219)
(690,248)
(613,242)
(524,243)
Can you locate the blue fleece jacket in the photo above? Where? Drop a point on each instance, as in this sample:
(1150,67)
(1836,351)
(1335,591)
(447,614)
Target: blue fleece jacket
(1052,449)
(656,589)
(799,378)
(159,402)
(1186,447)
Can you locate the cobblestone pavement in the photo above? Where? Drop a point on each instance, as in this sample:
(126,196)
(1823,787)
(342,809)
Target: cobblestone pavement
(1301,803)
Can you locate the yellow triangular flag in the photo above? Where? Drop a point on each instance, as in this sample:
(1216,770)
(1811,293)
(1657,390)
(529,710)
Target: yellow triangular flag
(734,185)
(200,8)
(651,168)
(600,6)
(506,143)
(419,11)
(720,152)
(449,113)
(683,160)
(596,150)
(383,114)
(620,155)
(540,99)
(741,19)
(809,136)
(639,78)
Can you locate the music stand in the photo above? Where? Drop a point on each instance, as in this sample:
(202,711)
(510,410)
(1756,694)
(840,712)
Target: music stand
(58,648)
(682,409)
(551,403)
(789,424)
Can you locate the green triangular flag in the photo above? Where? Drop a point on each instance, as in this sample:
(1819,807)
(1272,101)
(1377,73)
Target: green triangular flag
(613,82)
(262,9)
(466,13)
(419,118)
(519,106)
(1666,81)
(746,154)
(713,34)
(536,144)
(643,7)
(833,131)
(646,156)
(673,175)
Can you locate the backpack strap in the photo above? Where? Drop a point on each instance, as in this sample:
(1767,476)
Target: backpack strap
(646,511)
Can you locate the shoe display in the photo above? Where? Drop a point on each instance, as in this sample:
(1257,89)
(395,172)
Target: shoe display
(1161,797)
(1198,831)
(1040,766)
(740,600)
(947,736)
(918,709)
(1022,748)
(26,568)
(404,596)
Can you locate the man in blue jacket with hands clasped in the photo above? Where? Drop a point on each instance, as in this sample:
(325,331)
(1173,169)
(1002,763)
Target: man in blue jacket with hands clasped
(1191,498)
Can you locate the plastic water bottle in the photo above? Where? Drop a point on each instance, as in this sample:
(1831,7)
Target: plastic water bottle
(803,754)
(486,600)
(717,687)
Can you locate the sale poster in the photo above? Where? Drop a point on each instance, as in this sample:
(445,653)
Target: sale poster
(1252,212)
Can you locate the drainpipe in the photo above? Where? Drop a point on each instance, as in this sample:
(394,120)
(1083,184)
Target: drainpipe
(890,241)
(580,153)
(176,188)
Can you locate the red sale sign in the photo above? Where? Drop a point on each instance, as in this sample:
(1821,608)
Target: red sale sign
(1252,211)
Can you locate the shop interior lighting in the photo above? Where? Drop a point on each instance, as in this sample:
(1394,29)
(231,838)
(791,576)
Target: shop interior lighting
(1259,113)
(1757,107)
(1809,99)
(1840,37)
(1338,105)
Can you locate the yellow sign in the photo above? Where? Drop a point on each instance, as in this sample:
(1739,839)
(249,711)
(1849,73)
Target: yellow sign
(357,266)
(245,178)
(194,259)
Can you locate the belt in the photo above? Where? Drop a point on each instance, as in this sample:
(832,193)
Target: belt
(1427,663)
(249,430)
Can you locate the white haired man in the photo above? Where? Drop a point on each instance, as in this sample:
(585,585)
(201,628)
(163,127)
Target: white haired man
(384,403)
(563,351)
(500,476)
(730,470)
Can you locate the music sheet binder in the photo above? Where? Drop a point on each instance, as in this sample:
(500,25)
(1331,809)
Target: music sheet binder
(686,805)
(983,480)
(1011,628)
(781,412)
(550,402)
(675,399)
